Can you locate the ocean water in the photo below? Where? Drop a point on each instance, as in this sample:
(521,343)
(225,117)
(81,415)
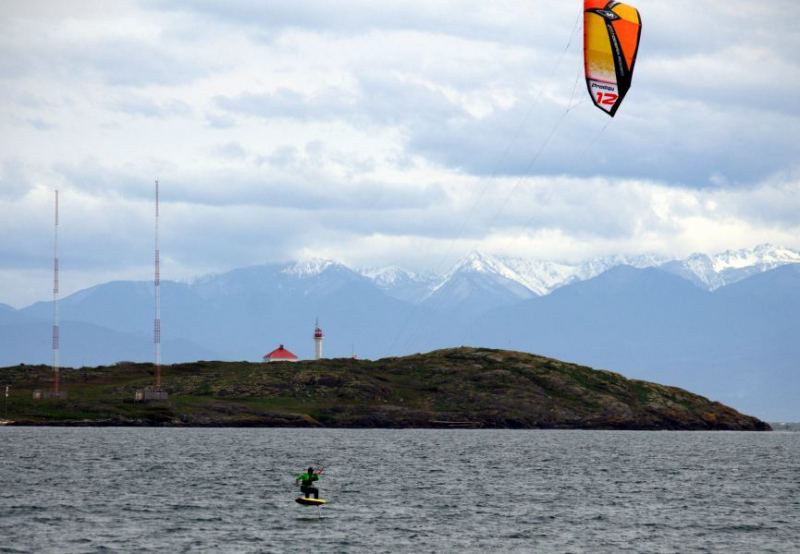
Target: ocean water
(232,490)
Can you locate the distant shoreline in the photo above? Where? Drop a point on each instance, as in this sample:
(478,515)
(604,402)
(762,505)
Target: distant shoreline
(785,426)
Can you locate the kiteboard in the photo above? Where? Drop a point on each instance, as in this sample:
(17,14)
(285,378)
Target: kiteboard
(310,501)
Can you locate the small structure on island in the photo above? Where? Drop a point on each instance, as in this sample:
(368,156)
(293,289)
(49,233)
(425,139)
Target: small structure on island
(318,336)
(149,394)
(280,354)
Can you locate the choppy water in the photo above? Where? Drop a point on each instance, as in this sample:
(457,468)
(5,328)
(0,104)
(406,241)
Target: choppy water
(232,490)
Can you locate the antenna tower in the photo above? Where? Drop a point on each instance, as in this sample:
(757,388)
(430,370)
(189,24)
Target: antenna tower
(148,394)
(157,320)
(56,338)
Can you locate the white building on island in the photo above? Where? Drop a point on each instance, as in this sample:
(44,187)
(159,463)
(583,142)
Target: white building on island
(318,336)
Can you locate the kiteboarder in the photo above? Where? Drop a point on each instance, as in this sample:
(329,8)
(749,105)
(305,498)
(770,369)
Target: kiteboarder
(306,481)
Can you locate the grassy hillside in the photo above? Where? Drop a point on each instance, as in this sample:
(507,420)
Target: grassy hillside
(459,387)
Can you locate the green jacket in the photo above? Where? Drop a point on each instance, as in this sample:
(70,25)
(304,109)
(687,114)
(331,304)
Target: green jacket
(307,480)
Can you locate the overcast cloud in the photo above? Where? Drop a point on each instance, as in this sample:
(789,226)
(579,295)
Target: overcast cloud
(404,133)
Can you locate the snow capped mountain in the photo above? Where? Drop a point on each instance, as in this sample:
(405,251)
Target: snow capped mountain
(596,266)
(763,256)
(709,272)
(476,262)
(392,275)
(308,268)
(475,284)
(541,277)
(538,276)
(503,278)
(401,283)
(713,272)
(697,268)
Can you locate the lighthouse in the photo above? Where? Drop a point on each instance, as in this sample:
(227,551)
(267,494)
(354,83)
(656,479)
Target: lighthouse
(318,336)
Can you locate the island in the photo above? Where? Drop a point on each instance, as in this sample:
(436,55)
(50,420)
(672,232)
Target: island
(451,388)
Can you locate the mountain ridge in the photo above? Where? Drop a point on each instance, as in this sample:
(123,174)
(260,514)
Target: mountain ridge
(542,277)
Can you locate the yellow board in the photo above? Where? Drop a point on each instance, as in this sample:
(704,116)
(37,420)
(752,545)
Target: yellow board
(310,501)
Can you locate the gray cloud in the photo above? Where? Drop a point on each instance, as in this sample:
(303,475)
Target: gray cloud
(471,19)
(14,180)
(380,99)
(288,104)
(686,142)
(706,26)
(220,121)
(294,186)
(230,150)
(776,203)
(39,124)
(283,157)
(145,107)
(119,62)
(128,63)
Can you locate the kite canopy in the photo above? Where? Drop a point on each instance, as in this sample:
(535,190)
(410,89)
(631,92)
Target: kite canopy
(611,32)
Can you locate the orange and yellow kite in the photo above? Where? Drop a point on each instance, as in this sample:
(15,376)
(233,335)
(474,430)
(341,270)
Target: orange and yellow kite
(611,32)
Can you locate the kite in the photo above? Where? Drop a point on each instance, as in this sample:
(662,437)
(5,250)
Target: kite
(611,32)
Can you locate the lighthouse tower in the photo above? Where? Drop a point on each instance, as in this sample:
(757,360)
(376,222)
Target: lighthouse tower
(318,336)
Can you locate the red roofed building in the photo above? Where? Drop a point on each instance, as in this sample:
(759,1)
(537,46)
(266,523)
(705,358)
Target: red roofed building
(280,354)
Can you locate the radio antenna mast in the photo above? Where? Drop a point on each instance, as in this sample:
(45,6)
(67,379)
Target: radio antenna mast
(157,320)
(56,333)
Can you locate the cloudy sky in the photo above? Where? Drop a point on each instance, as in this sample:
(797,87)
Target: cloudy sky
(380,133)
